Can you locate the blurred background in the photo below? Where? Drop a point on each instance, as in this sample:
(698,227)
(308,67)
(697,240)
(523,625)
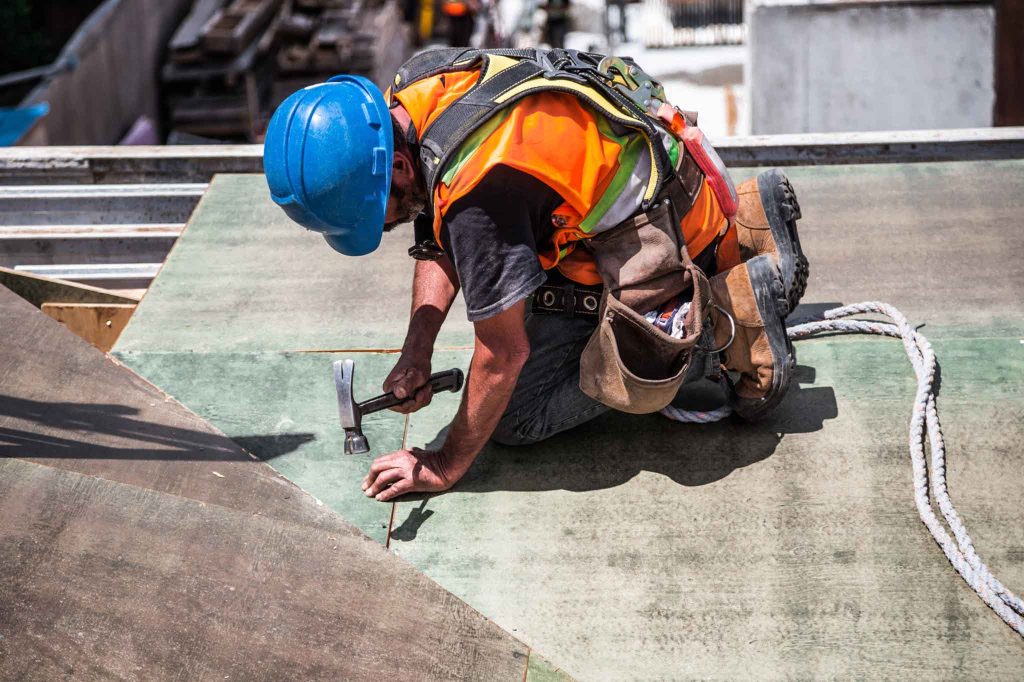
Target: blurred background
(91,72)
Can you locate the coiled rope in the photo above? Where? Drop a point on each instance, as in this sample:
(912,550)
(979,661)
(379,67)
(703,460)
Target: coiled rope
(929,482)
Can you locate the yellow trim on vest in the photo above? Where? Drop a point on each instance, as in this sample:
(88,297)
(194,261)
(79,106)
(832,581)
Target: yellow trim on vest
(539,82)
(497,63)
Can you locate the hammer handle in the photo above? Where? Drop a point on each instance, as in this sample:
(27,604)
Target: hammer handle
(449,380)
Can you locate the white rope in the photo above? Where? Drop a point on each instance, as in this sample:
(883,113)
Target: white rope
(929,482)
(697,416)
(924,421)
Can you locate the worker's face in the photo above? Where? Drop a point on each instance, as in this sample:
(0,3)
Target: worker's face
(407,198)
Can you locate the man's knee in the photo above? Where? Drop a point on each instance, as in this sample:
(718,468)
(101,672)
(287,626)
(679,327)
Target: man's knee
(509,432)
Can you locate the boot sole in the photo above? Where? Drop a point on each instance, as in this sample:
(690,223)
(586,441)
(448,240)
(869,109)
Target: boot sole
(780,206)
(770,295)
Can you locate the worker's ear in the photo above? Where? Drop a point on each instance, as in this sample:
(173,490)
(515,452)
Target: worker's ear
(403,173)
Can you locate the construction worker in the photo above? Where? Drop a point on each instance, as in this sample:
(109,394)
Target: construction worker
(570,204)
(461,16)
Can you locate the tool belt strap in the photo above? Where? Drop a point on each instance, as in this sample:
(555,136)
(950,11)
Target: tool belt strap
(572,300)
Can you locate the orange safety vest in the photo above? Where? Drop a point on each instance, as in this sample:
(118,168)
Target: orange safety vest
(561,141)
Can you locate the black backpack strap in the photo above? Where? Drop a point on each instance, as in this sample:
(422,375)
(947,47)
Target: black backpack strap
(508,75)
(430,63)
(443,60)
(446,134)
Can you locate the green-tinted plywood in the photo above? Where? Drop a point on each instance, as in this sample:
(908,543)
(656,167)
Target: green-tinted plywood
(288,398)
(638,548)
(243,277)
(655,550)
(541,670)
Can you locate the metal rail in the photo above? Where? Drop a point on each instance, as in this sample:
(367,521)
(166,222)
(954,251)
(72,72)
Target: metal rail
(199,163)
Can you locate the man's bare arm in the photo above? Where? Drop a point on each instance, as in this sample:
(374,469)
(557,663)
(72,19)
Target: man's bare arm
(500,351)
(434,287)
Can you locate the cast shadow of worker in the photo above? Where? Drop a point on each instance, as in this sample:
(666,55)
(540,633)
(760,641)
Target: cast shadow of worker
(63,430)
(616,447)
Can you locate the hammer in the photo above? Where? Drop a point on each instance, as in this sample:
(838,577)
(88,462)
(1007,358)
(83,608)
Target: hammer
(352,412)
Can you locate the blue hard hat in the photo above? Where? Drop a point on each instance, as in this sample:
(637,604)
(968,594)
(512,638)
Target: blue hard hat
(327,157)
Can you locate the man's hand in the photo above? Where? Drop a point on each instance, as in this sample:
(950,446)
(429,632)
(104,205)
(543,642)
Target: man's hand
(410,381)
(410,471)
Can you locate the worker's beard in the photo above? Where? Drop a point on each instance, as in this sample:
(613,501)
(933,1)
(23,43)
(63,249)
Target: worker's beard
(410,203)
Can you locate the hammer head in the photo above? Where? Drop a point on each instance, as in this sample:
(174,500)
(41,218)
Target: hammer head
(348,408)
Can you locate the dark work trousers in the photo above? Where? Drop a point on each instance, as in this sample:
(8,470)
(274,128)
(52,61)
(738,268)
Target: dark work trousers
(547,398)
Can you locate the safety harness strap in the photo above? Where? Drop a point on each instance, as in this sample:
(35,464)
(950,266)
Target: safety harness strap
(508,76)
(435,62)
(451,128)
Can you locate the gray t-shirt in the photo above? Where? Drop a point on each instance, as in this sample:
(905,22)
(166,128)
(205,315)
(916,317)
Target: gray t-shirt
(491,236)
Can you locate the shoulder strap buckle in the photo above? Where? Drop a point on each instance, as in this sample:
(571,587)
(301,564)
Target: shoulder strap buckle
(633,82)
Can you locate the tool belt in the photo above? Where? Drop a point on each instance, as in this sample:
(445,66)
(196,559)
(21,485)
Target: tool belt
(569,299)
(629,364)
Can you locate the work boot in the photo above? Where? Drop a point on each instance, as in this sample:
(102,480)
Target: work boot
(766,225)
(749,317)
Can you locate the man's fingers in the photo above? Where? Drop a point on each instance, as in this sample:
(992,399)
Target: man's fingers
(399,384)
(383,480)
(399,488)
(420,400)
(379,465)
(396,374)
(409,382)
(424,396)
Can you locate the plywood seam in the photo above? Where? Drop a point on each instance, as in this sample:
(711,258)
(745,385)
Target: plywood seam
(394,505)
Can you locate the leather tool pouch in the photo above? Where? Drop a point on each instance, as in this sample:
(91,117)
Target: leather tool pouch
(629,364)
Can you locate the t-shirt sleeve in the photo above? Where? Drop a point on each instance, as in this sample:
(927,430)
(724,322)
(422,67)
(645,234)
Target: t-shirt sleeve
(491,237)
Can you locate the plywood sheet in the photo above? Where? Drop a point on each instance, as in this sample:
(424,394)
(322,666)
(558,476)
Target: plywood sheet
(789,549)
(243,277)
(282,407)
(99,324)
(650,550)
(104,580)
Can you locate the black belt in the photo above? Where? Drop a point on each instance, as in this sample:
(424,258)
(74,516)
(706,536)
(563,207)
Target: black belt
(573,300)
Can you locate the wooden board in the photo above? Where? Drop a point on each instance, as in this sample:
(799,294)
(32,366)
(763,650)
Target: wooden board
(104,580)
(37,290)
(98,323)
